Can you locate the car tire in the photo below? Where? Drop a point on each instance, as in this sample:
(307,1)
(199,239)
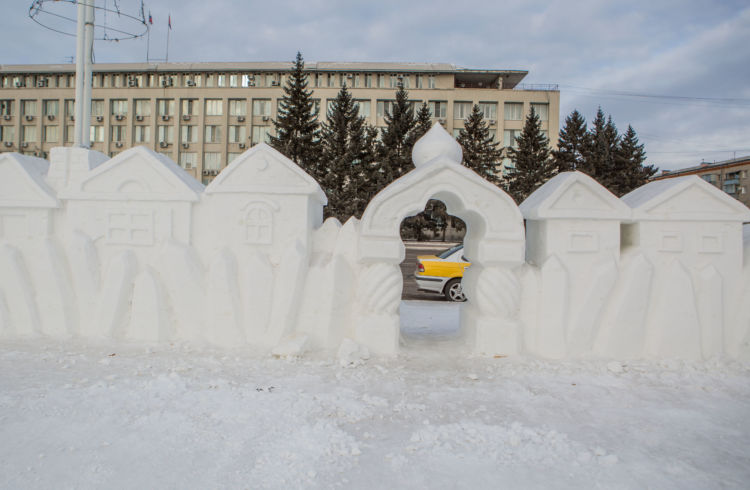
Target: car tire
(453,290)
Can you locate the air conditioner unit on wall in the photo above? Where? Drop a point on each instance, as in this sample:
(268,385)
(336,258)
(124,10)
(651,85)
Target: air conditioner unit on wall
(119,117)
(118,144)
(165,118)
(8,143)
(24,145)
(29,118)
(186,117)
(6,117)
(205,172)
(186,145)
(139,118)
(163,144)
(51,117)
(266,118)
(100,118)
(190,83)
(242,146)
(240,118)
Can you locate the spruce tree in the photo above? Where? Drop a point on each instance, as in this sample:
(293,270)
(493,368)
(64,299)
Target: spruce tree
(570,146)
(600,151)
(481,152)
(424,121)
(532,162)
(297,127)
(398,138)
(344,155)
(630,169)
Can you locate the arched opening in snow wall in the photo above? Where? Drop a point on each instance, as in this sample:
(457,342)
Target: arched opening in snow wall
(494,241)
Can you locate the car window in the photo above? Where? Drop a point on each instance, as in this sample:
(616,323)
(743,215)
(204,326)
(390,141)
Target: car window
(447,253)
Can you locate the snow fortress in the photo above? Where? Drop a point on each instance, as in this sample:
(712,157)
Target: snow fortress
(134,248)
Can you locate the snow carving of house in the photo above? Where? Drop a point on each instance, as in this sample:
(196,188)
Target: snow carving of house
(34,288)
(259,215)
(494,244)
(573,237)
(691,234)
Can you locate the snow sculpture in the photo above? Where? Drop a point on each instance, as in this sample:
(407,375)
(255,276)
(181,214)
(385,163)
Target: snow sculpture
(573,235)
(494,243)
(134,248)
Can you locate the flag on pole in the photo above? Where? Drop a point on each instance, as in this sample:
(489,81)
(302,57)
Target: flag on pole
(170,22)
(150,20)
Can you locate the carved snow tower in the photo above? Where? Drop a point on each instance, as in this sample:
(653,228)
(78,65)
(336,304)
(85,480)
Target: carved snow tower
(494,243)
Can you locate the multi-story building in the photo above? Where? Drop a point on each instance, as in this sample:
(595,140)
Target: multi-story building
(731,176)
(202,115)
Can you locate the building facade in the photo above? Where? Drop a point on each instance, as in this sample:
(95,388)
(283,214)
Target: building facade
(731,176)
(203,115)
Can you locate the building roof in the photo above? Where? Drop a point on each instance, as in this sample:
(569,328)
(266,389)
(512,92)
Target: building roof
(573,195)
(702,168)
(22,182)
(510,77)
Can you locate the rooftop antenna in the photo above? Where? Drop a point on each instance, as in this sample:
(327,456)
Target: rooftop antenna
(51,14)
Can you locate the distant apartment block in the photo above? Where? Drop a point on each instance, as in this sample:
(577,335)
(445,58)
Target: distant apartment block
(731,176)
(202,115)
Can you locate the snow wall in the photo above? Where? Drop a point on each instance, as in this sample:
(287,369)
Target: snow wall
(133,248)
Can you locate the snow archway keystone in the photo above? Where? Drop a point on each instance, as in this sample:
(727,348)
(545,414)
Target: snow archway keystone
(494,243)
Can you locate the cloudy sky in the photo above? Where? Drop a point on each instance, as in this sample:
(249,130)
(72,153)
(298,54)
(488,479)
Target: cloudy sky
(678,71)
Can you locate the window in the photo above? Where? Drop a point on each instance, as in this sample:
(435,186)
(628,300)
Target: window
(212,161)
(189,107)
(461,110)
(118,133)
(237,134)
(214,107)
(493,134)
(405,80)
(248,80)
(319,79)
(231,156)
(70,133)
(261,134)
(258,224)
(119,107)
(394,81)
(28,108)
(210,80)
(165,133)
(50,134)
(368,80)
(262,107)
(364,108)
(357,80)
(542,110)
(710,178)
(420,81)
(188,160)
(431,81)
(489,110)
(237,107)
(97,108)
(7,133)
(315,107)
(51,108)
(329,105)
(438,108)
(513,111)
(142,134)
(213,134)
(381,81)
(384,107)
(130,227)
(165,107)
(6,107)
(234,80)
(331,79)
(142,107)
(221,80)
(509,138)
(28,134)
(189,134)
(96,134)
(70,108)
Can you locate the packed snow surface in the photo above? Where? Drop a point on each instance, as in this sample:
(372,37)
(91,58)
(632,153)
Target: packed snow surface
(84,415)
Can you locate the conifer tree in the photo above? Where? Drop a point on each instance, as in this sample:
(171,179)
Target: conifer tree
(630,169)
(480,150)
(398,138)
(297,127)
(532,162)
(344,157)
(600,150)
(570,146)
(424,121)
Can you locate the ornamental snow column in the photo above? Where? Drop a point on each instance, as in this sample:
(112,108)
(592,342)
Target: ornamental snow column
(573,236)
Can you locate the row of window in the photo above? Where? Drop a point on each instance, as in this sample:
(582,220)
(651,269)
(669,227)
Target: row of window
(222,80)
(513,111)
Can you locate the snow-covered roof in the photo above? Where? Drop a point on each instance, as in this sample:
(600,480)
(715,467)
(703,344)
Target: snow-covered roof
(688,198)
(262,169)
(138,174)
(22,182)
(573,195)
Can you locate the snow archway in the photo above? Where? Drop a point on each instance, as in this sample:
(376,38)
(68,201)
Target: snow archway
(494,242)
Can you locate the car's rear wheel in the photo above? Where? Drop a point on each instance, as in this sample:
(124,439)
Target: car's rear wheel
(453,290)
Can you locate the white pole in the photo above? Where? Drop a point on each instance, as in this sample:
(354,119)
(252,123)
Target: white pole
(88,58)
(77,137)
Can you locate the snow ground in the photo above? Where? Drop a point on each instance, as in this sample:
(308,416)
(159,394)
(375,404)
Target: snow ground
(84,415)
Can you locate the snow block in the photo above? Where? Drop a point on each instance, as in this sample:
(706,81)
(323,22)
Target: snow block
(149,318)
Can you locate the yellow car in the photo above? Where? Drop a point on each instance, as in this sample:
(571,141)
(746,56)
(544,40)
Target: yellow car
(442,273)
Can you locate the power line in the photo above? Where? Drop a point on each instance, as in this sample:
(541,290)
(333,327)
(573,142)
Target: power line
(674,99)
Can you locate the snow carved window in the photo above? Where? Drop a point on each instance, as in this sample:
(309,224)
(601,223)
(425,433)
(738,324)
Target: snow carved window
(130,227)
(258,224)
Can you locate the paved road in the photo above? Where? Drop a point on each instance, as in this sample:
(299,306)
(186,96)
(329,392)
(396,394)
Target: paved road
(413,249)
